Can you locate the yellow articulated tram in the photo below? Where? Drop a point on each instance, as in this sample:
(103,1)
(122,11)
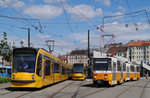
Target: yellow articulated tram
(113,70)
(35,68)
(78,71)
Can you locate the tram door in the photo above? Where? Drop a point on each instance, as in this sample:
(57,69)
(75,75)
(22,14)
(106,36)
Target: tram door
(47,77)
(114,71)
(43,63)
(128,72)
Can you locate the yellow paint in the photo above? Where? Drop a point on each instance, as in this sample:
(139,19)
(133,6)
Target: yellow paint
(78,76)
(103,76)
(52,78)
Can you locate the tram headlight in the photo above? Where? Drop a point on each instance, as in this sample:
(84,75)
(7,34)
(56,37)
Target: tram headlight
(105,77)
(32,76)
(13,76)
(95,76)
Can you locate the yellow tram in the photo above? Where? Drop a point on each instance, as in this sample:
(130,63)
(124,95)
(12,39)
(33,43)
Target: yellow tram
(35,68)
(113,70)
(78,71)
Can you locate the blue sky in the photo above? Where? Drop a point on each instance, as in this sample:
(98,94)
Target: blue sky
(55,16)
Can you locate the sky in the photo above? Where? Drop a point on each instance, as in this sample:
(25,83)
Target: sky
(67,22)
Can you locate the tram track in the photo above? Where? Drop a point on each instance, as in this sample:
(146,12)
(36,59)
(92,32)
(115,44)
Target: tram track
(143,90)
(60,90)
(126,89)
(24,94)
(94,92)
(76,92)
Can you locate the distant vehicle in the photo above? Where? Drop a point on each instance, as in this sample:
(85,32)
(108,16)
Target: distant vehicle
(113,70)
(78,71)
(5,71)
(35,68)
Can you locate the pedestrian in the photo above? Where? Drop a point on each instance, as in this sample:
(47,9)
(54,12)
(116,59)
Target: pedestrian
(146,76)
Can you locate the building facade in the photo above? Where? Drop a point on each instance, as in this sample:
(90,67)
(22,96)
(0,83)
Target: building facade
(139,51)
(78,56)
(118,49)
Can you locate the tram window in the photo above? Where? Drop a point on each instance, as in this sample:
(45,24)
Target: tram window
(67,72)
(124,67)
(9,72)
(47,67)
(39,63)
(114,66)
(127,69)
(138,69)
(118,66)
(63,70)
(56,68)
(132,68)
(1,70)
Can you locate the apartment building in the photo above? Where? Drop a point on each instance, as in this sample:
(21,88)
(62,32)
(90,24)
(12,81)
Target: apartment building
(77,56)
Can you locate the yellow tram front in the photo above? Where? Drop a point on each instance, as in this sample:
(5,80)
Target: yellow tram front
(102,73)
(23,68)
(78,71)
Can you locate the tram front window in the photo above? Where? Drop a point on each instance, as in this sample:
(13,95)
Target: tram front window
(78,68)
(101,65)
(24,63)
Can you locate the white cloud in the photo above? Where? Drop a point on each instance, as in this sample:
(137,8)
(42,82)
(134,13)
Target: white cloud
(83,11)
(43,11)
(43,36)
(118,17)
(53,1)
(124,33)
(3,4)
(31,0)
(17,4)
(63,43)
(121,8)
(105,2)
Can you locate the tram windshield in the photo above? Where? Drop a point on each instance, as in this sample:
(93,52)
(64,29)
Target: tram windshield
(102,64)
(78,68)
(24,63)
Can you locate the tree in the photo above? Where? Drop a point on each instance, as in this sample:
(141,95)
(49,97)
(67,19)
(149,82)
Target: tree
(5,50)
(21,42)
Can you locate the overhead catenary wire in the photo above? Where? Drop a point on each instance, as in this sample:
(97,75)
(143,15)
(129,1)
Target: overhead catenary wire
(21,15)
(68,22)
(82,14)
(127,14)
(10,5)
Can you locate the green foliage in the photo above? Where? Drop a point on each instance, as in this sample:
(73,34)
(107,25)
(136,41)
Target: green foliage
(5,49)
(5,80)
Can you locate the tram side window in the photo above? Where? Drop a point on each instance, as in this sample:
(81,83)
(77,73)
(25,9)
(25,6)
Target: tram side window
(118,66)
(124,67)
(39,63)
(1,70)
(132,68)
(63,70)
(47,67)
(67,72)
(9,72)
(138,69)
(114,66)
(56,68)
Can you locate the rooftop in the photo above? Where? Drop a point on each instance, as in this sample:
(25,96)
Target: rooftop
(139,43)
(79,52)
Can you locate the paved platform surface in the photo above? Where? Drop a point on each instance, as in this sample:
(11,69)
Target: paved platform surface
(80,89)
